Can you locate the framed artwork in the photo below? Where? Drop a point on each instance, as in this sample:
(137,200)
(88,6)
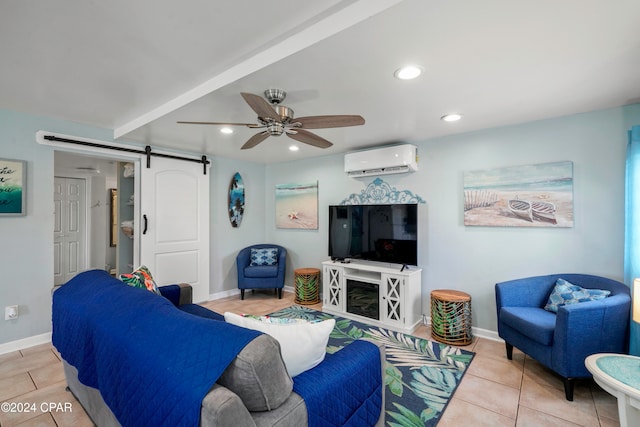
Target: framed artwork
(297,206)
(537,195)
(13,177)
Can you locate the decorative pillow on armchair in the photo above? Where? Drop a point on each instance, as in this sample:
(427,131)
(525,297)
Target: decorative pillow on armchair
(265,256)
(565,293)
(141,278)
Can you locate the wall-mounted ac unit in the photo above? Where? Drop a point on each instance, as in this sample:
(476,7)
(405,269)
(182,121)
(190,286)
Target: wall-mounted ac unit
(382,161)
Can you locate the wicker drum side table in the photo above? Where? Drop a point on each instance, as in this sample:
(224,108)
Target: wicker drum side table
(451,317)
(306,282)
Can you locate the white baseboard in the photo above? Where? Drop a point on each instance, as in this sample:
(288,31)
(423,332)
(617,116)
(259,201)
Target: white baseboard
(232,292)
(23,343)
(224,294)
(477,332)
(486,333)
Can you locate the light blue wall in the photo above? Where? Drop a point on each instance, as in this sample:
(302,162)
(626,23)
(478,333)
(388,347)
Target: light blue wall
(471,259)
(26,248)
(226,241)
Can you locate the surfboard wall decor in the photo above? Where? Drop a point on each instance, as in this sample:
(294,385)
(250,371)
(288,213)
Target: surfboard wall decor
(236,200)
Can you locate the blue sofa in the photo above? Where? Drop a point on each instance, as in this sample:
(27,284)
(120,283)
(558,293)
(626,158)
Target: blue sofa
(129,359)
(562,341)
(261,276)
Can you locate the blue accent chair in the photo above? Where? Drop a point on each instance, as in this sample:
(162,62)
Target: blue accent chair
(562,341)
(261,276)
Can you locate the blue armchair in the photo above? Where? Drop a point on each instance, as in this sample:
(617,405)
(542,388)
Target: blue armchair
(263,276)
(561,341)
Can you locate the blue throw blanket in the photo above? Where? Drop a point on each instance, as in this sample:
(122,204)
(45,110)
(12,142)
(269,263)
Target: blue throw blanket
(152,363)
(345,390)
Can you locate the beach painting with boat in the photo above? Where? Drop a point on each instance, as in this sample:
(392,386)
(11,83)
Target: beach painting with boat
(537,195)
(297,206)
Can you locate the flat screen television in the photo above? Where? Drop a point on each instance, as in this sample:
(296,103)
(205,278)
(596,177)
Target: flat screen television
(385,233)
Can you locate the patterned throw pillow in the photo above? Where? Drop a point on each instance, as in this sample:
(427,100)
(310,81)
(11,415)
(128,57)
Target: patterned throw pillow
(265,256)
(565,293)
(140,278)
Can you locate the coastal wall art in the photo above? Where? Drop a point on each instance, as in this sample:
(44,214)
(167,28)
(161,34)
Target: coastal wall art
(536,195)
(235,201)
(13,175)
(297,206)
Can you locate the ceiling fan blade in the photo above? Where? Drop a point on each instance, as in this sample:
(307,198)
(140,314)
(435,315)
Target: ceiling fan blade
(309,138)
(260,106)
(321,122)
(219,123)
(255,140)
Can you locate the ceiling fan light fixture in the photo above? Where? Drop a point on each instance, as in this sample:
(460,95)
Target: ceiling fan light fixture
(284,112)
(275,128)
(408,72)
(276,119)
(452,117)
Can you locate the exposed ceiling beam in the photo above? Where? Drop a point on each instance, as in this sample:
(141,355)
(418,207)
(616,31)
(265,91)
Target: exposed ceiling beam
(333,24)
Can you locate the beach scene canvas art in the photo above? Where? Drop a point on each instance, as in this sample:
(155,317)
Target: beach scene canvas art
(297,206)
(537,195)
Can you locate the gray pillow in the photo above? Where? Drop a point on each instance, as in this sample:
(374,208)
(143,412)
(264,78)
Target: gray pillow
(258,375)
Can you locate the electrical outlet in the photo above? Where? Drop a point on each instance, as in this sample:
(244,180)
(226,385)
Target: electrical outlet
(11,312)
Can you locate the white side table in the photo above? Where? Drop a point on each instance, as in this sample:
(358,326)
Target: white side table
(619,375)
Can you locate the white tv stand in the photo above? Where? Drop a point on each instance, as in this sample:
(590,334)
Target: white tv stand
(374,293)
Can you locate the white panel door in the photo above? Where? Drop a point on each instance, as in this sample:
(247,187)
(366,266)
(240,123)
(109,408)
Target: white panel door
(69,196)
(174,223)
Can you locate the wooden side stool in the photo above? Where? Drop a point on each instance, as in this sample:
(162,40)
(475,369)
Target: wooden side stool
(306,282)
(451,317)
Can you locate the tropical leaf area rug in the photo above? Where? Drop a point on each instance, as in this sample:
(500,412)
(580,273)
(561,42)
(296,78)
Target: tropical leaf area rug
(420,375)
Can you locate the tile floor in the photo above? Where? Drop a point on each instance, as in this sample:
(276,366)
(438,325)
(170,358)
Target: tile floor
(494,391)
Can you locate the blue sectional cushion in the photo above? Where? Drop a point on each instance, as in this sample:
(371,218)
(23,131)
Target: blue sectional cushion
(565,293)
(261,271)
(351,391)
(171,292)
(535,323)
(264,256)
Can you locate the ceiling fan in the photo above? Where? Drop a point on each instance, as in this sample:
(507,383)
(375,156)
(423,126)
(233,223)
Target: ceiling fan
(277,119)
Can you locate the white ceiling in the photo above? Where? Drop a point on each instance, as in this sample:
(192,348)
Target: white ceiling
(139,66)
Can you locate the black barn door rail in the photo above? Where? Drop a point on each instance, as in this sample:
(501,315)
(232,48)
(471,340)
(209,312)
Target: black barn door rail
(147,151)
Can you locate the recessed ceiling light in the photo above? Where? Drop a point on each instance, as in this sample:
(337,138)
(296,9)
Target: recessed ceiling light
(453,117)
(226,130)
(293,148)
(407,73)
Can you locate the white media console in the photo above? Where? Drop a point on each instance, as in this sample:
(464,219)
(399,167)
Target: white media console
(373,293)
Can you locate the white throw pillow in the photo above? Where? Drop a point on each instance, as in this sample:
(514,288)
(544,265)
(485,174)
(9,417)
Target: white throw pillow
(303,344)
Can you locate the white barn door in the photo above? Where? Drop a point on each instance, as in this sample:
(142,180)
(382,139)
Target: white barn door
(174,223)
